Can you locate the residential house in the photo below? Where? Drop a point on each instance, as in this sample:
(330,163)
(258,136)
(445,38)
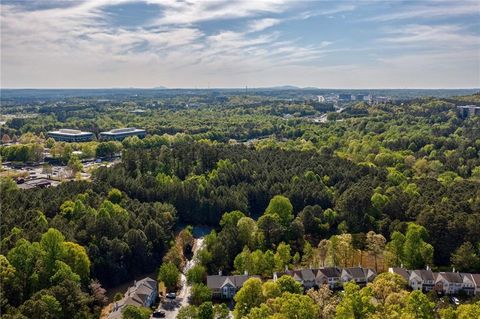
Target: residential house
(405,273)
(449,283)
(360,275)
(225,287)
(476,280)
(142,294)
(328,276)
(304,276)
(468,284)
(423,279)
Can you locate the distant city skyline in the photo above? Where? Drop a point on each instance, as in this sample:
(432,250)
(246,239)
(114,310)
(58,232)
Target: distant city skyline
(233,44)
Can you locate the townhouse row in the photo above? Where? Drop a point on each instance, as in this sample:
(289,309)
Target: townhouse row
(225,287)
(448,283)
(334,277)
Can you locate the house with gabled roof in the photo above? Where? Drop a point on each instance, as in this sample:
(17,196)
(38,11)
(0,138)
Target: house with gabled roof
(328,276)
(225,287)
(422,279)
(306,277)
(361,276)
(449,283)
(310,278)
(468,285)
(142,294)
(405,273)
(476,281)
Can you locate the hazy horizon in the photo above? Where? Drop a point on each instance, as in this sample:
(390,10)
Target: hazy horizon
(280,87)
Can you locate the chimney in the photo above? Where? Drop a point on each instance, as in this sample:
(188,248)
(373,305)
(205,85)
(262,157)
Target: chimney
(401,265)
(453,270)
(220,272)
(275,276)
(428,267)
(286,268)
(245,272)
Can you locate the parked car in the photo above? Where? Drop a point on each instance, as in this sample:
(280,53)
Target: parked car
(171,295)
(159,314)
(455,300)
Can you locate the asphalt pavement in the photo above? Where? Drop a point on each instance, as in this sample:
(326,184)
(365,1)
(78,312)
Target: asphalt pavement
(171,308)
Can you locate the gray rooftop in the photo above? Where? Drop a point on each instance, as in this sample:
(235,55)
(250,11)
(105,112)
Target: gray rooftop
(69,132)
(330,272)
(424,274)
(453,277)
(218,281)
(135,295)
(468,106)
(125,130)
(356,272)
(402,272)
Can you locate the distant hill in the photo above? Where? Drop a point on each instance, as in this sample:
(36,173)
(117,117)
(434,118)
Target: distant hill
(282,87)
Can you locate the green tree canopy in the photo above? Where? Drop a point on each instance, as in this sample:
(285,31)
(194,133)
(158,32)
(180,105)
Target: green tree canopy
(281,206)
(248,297)
(170,275)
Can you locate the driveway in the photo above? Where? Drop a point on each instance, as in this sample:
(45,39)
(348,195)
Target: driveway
(171,309)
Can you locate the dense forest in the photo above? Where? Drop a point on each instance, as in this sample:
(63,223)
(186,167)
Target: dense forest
(204,180)
(398,181)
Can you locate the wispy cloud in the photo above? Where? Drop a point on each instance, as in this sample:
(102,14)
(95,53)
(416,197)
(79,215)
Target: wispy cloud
(431,9)
(259,25)
(450,35)
(342,8)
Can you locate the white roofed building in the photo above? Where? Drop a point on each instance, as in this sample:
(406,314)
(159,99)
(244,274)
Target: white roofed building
(70,135)
(122,133)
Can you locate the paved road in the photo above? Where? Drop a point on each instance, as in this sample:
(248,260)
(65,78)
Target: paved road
(184,294)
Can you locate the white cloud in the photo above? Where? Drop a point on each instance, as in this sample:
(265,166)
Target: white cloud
(188,12)
(259,25)
(77,46)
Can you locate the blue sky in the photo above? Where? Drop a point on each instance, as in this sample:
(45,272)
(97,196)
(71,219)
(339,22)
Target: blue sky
(186,43)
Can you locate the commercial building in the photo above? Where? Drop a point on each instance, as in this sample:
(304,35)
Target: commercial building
(69,135)
(344,97)
(121,133)
(468,110)
(359,97)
